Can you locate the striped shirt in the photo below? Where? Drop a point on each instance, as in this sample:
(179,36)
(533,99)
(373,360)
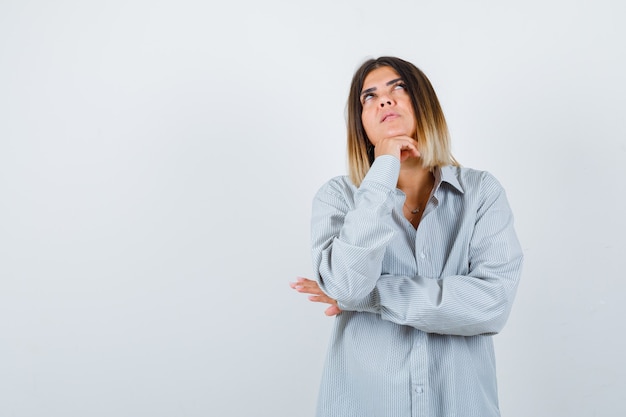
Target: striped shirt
(419,306)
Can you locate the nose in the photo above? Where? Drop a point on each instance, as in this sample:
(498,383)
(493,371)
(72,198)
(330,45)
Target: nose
(385,100)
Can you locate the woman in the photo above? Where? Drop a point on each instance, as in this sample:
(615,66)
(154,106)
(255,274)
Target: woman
(416,256)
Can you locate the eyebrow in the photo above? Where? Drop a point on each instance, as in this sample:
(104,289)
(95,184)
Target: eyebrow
(369,90)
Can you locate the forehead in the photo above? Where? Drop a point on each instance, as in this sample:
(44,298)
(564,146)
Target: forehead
(380,75)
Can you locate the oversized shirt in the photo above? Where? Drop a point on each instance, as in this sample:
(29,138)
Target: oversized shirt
(419,306)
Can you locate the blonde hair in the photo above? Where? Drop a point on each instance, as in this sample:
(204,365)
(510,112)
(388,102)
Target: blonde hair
(431,127)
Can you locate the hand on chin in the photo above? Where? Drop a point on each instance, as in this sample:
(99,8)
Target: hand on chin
(402,147)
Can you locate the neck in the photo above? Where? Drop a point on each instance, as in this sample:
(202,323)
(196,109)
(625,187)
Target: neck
(416,182)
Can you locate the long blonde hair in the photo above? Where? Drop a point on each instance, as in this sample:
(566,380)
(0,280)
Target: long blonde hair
(431,127)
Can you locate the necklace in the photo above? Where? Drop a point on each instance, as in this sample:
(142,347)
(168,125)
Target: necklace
(417,209)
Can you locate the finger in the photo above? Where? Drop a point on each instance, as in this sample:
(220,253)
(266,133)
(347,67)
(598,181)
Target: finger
(406,142)
(306,286)
(302,283)
(399,146)
(409,153)
(305,282)
(332,311)
(322,299)
(308,289)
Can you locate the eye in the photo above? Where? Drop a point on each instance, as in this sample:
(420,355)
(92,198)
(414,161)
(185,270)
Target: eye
(367,97)
(399,86)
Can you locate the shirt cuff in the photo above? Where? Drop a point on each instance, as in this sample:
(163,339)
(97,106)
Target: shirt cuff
(384,172)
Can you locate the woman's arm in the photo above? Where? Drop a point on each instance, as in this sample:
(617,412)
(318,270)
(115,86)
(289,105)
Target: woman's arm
(477,302)
(351,231)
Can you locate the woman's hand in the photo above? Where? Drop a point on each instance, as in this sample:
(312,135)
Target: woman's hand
(402,147)
(308,286)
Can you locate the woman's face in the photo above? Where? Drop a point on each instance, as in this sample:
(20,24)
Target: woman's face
(387,108)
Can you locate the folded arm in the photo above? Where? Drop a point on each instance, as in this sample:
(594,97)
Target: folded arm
(477,301)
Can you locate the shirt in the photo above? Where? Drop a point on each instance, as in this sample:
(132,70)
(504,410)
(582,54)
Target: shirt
(419,306)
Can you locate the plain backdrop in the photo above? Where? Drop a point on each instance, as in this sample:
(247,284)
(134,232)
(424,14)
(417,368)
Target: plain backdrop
(158,160)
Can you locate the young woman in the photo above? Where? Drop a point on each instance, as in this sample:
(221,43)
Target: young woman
(416,256)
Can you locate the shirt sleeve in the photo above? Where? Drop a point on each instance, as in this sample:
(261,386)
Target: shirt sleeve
(349,257)
(465,305)
(346,255)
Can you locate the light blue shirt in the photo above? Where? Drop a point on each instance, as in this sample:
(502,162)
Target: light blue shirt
(419,306)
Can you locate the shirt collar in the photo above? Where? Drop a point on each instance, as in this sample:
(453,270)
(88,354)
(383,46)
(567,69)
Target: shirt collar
(447,174)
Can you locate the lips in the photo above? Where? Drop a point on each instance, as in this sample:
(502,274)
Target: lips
(389,116)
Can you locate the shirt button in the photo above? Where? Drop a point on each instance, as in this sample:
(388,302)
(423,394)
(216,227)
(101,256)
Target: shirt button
(422,255)
(419,389)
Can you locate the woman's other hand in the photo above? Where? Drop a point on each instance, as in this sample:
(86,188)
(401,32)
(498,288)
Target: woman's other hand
(308,286)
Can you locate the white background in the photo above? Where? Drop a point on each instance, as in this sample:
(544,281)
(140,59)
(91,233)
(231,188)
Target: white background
(158,160)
